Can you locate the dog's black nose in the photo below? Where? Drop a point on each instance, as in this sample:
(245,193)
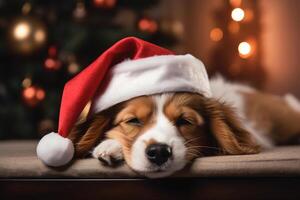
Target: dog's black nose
(158,153)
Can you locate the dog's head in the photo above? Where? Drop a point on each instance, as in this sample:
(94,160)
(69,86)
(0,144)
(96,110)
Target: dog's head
(160,134)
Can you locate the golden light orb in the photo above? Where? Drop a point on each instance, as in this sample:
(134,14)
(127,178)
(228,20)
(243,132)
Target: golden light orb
(21,31)
(238,14)
(244,49)
(216,34)
(26,82)
(40,36)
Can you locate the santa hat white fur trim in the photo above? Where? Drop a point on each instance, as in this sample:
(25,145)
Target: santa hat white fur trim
(55,150)
(152,75)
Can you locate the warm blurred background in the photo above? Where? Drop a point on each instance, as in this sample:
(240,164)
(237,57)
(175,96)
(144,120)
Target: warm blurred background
(45,43)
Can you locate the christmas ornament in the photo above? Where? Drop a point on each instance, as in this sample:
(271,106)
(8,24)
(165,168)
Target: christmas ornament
(33,95)
(27,35)
(147,66)
(147,25)
(52,62)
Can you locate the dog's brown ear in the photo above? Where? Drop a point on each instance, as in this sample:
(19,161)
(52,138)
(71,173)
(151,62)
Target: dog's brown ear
(86,134)
(228,131)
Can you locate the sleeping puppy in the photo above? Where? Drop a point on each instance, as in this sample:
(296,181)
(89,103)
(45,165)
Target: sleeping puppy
(159,134)
(158,111)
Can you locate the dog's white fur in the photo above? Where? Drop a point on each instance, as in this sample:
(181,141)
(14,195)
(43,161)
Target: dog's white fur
(107,149)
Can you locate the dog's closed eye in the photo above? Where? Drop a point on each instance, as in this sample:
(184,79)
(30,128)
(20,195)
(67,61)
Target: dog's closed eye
(181,121)
(134,122)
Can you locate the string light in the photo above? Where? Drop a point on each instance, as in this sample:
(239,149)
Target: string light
(26,82)
(52,64)
(40,94)
(104,3)
(21,30)
(237,14)
(40,36)
(216,34)
(33,95)
(29,92)
(147,25)
(73,68)
(235,3)
(244,49)
(27,34)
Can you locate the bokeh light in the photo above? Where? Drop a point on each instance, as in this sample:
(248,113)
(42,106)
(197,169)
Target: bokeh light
(237,14)
(244,49)
(105,3)
(235,3)
(147,25)
(216,34)
(21,30)
(249,15)
(26,82)
(73,68)
(33,95)
(52,64)
(233,27)
(40,36)
(27,34)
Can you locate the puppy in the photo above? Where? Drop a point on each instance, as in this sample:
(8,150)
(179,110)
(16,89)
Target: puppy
(159,134)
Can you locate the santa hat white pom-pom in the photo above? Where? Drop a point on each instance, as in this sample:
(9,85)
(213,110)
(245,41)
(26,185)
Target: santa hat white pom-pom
(55,150)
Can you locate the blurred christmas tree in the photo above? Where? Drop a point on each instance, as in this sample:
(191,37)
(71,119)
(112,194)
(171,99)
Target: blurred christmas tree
(45,43)
(237,53)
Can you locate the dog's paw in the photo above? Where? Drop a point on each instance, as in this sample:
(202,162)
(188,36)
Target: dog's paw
(109,152)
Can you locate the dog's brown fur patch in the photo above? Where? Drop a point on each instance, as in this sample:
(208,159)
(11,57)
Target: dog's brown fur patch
(273,116)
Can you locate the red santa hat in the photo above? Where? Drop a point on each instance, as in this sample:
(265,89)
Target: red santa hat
(130,68)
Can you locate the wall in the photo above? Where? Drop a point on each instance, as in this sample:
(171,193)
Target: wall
(280,39)
(281,45)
